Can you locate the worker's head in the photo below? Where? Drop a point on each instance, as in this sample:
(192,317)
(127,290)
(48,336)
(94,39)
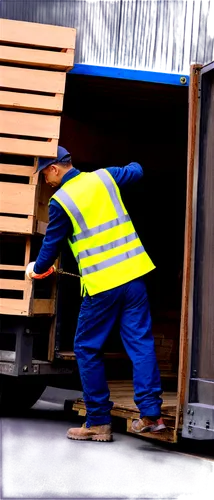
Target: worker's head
(54,169)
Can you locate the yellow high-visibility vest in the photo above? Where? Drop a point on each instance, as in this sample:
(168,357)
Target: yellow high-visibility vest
(104,242)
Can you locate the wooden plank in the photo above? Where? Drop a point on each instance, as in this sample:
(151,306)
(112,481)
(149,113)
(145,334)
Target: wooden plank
(36,34)
(183,350)
(8,284)
(35,178)
(72,53)
(51,341)
(16,170)
(45,194)
(17,198)
(69,355)
(32,79)
(18,100)
(6,267)
(29,124)
(16,225)
(41,227)
(34,57)
(121,412)
(122,394)
(27,251)
(14,307)
(28,292)
(29,147)
(43,306)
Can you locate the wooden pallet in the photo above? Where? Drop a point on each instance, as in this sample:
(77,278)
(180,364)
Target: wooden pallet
(121,393)
(37,44)
(24,47)
(28,133)
(24,198)
(13,281)
(18,200)
(31,89)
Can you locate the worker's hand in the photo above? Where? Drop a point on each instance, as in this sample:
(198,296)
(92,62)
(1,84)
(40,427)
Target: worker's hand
(31,274)
(29,270)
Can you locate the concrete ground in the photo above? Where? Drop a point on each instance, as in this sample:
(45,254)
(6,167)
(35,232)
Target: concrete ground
(38,461)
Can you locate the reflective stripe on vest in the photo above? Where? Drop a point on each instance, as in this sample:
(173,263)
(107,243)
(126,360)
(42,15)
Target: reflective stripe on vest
(113,260)
(68,202)
(108,246)
(109,253)
(101,228)
(112,191)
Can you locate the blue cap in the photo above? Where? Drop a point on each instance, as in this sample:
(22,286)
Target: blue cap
(62,156)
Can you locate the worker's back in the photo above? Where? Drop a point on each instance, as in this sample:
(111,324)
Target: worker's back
(104,242)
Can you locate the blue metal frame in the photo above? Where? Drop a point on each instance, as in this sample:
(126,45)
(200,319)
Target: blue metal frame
(131,74)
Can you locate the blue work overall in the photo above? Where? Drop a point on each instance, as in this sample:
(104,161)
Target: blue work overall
(98,313)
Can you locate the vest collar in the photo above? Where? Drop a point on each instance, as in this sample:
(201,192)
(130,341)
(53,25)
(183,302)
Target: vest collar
(69,175)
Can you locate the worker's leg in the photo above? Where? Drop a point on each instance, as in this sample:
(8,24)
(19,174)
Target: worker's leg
(136,333)
(96,319)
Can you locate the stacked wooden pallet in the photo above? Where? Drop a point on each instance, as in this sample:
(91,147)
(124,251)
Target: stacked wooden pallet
(34,60)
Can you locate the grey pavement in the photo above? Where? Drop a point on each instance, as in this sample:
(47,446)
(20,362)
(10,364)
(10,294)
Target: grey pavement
(38,461)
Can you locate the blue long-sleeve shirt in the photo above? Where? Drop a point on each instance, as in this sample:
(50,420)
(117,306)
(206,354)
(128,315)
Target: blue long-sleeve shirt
(60,226)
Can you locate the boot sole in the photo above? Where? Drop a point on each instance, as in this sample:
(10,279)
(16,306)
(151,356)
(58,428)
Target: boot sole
(103,438)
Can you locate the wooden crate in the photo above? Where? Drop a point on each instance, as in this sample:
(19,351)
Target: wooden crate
(18,293)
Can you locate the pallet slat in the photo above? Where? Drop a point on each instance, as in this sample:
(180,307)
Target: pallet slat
(18,100)
(16,225)
(17,198)
(122,394)
(35,57)
(29,147)
(32,79)
(27,305)
(29,124)
(21,170)
(14,306)
(7,284)
(43,306)
(44,35)
(7,267)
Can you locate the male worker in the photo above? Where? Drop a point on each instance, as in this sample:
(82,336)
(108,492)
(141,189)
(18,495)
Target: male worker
(88,209)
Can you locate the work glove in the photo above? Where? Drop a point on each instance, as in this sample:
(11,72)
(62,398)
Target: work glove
(29,270)
(31,274)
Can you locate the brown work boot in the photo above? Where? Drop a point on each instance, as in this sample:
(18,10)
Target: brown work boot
(145,424)
(95,433)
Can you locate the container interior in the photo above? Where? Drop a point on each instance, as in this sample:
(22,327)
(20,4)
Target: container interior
(112,122)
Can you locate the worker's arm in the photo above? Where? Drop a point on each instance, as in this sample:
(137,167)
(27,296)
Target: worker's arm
(57,230)
(129,174)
